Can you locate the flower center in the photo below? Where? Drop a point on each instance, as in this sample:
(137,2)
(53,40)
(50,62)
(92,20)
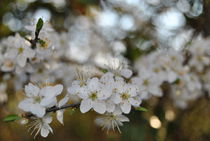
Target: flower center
(146,82)
(20,50)
(199,58)
(44,44)
(114,90)
(178,93)
(8,63)
(173,58)
(62,42)
(93,96)
(37,99)
(156,70)
(125,96)
(82,83)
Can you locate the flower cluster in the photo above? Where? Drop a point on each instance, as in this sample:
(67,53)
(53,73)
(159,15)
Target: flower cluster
(37,101)
(110,89)
(109,93)
(185,85)
(21,53)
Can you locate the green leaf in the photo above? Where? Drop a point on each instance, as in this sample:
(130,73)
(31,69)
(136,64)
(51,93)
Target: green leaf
(11,118)
(141,109)
(39,25)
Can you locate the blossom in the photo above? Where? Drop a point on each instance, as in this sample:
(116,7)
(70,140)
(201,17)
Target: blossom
(21,50)
(38,99)
(187,88)
(117,67)
(125,96)
(111,121)
(8,64)
(200,54)
(41,125)
(93,97)
(148,84)
(17,52)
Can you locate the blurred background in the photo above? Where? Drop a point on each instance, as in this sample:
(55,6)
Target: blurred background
(131,28)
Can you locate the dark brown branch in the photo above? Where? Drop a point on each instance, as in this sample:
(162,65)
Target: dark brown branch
(53,109)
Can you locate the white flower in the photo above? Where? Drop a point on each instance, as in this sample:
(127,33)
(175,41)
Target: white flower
(23,53)
(126,97)
(148,83)
(47,40)
(78,87)
(41,125)
(200,54)
(127,73)
(8,64)
(119,68)
(20,50)
(186,89)
(39,99)
(111,121)
(94,97)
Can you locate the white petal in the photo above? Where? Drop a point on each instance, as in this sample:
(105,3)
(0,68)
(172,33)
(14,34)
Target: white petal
(38,110)
(73,89)
(12,53)
(48,102)
(93,84)
(29,53)
(51,91)
(107,78)
(85,105)
(25,104)
(59,115)
(123,118)
(63,101)
(126,73)
(117,110)
(47,119)
(125,107)
(134,102)
(6,68)
(47,92)
(156,91)
(21,60)
(116,98)
(172,76)
(58,89)
(45,130)
(144,95)
(104,93)
(31,90)
(110,106)
(99,107)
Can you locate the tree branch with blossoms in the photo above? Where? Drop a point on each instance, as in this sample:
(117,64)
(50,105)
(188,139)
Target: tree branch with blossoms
(112,93)
(52,109)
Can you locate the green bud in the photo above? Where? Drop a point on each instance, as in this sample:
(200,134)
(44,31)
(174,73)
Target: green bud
(141,109)
(39,25)
(11,118)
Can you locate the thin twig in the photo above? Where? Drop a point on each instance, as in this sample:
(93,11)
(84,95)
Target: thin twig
(53,109)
